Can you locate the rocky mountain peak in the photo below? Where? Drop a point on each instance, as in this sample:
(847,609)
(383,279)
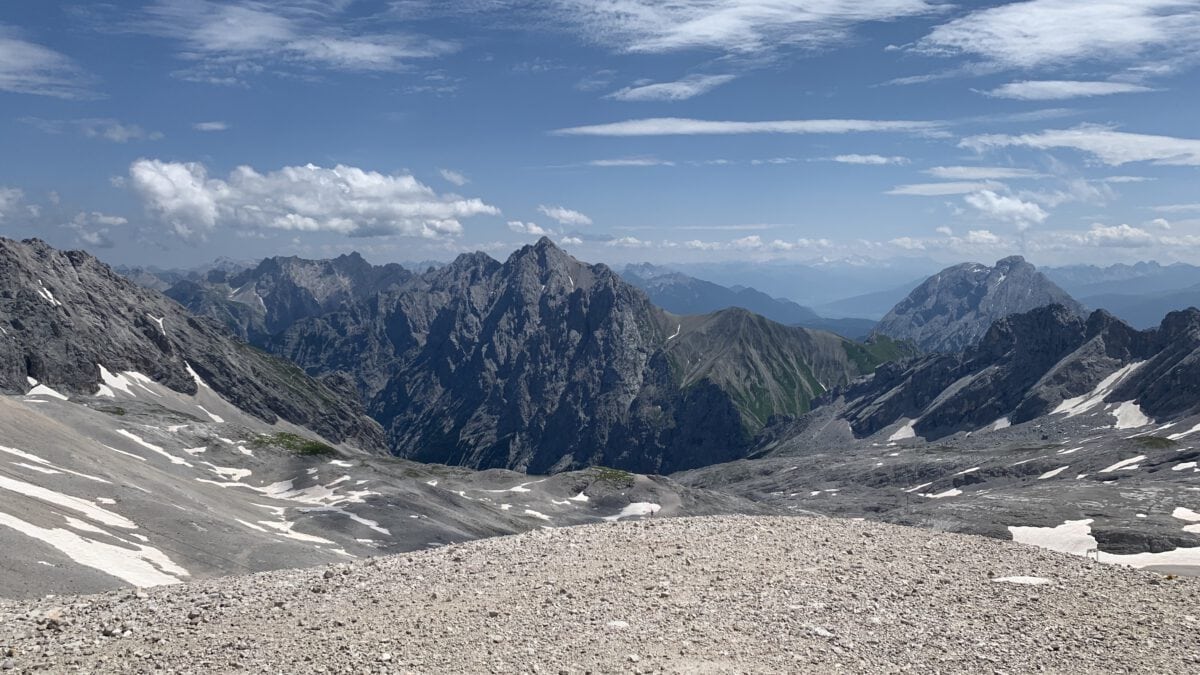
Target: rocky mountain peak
(956,307)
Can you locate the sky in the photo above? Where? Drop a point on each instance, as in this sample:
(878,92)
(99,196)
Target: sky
(173,132)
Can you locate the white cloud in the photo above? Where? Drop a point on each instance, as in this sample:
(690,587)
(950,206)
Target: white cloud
(627,242)
(680,90)
(1057,90)
(982,238)
(1126,179)
(10,199)
(29,68)
(1177,208)
(630,161)
(455,177)
(1106,145)
(1161,223)
(1041,33)
(1006,208)
(564,215)
(570,241)
(343,199)
(101,128)
(945,230)
(874,160)
(738,26)
(93,229)
(943,189)
(676,126)
(229,41)
(210,126)
(528,228)
(1120,236)
(980,173)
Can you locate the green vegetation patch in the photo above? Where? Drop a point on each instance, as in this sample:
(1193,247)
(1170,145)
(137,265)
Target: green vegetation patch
(1155,442)
(614,476)
(293,443)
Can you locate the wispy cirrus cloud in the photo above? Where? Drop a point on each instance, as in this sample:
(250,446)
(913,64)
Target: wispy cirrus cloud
(1104,144)
(105,129)
(211,126)
(679,90)
(1046,33)
(870,160)
(943,189)
(981,172)
(343,199)
(30,68)
(679,126)
(229,41)
(1057,90)
(731,26)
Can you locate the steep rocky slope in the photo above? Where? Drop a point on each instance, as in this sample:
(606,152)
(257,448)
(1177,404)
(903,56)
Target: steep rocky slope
(543,363)
(69,323)
(753,595)
(954,308)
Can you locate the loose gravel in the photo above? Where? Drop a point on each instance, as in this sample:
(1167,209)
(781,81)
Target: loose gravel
(697,595)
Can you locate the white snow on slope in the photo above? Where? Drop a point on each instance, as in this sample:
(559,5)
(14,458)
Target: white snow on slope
(1185,514)
(1081,404)
(1130,416)
(216,418)
(1131,463)
(1002,423)
(635,509)
(140,566)
(1181,434)
(1053,472)
(154,448)
(43,390)
(1075,537)
(904,432)
(82,506)
(48,465)
(47,295)
(952,492)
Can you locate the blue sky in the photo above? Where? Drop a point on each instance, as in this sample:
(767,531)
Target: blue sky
(176,131)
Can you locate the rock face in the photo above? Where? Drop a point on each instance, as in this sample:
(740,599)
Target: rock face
(682,294)
(543,363)
(955,308)
(66,315)
(1029,365)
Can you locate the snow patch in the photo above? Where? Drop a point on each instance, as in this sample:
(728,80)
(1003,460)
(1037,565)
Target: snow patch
(1131,463)
(1032,581)
(1054,472)
(1081,404)
(635,509)
(1130,416)
(904,432)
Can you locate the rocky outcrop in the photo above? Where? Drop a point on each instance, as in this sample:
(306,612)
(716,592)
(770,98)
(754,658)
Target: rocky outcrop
(955,308)
(1027,365)
(65,315)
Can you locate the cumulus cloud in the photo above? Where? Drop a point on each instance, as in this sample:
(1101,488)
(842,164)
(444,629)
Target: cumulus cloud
(874,160)
(564,215)
(570,240)
(1041,33)
(1121,236)
(211,126)
(679,90)
(945,230)
(10,199)
(93,229)
(1057,90)
(30,68)
(528,228)
(1006,208)
(1104,144)
(343,199)
(677,126)
(627,242)
(455,177)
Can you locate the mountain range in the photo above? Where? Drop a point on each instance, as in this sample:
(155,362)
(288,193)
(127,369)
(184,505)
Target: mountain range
(682,294)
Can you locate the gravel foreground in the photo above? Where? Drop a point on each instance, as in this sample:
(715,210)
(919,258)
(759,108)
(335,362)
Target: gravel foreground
(691,595)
